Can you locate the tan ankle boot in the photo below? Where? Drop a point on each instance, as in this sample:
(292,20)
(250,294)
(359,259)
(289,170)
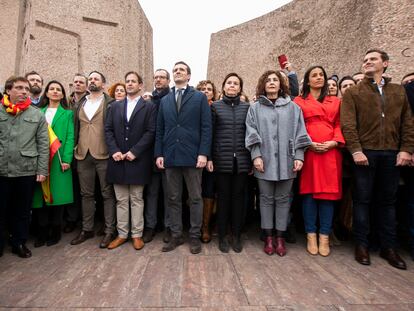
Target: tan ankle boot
(208,205)
(324,245)
(312,246)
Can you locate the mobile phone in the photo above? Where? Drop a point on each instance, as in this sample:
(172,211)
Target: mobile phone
(282,60)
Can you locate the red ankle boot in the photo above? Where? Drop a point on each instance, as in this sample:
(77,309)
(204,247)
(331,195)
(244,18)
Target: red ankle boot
(280,247)
(268,247)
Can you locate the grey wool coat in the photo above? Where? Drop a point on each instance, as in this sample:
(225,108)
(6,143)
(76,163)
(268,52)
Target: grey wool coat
(277,133)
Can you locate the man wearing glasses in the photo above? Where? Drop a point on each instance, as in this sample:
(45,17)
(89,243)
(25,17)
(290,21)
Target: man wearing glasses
(161,88)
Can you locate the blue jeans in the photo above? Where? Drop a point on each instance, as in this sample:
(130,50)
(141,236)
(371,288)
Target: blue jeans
(376,185)
(311,207)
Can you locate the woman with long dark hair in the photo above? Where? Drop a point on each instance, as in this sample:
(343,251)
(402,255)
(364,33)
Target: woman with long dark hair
(276,138)
(321,176)
(230,160)
(60,118)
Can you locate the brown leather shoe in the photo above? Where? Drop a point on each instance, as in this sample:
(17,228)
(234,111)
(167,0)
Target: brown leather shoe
(107,239)
(393,258)
(362,255)
(117,242)
(138,243)
(82,237)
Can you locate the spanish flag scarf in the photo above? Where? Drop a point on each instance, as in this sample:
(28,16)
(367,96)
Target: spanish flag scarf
(15,109)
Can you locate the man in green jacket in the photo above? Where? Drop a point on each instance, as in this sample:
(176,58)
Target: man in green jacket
(24,159)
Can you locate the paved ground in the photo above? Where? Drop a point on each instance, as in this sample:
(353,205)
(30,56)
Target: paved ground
(84,277)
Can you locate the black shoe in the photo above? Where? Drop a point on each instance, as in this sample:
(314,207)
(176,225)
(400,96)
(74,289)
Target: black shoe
(167,235)
(195,245)
(236,244)
(148,235)
(69,227)
(173,244)
(41,237)
(106,240)
(22,251)
(55,236)
(224,246)
(362,255)
(393,258)
(82,237)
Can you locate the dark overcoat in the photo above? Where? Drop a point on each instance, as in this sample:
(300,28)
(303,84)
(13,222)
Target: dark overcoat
(183,136)
(136,135)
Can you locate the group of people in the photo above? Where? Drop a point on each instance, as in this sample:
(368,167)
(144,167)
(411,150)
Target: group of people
(55,147)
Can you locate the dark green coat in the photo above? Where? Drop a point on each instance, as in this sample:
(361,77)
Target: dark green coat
(24,144)
(60,182)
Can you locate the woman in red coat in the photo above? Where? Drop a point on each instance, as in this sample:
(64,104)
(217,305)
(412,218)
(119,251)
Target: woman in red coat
(321,176)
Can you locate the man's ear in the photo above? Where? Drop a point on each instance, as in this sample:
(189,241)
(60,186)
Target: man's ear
(385,63)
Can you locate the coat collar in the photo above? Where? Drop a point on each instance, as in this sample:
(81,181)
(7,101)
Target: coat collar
(59,113)
(189,92)
(140,104)
(281,101)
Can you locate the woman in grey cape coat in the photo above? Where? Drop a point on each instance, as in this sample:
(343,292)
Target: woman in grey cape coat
(276,137)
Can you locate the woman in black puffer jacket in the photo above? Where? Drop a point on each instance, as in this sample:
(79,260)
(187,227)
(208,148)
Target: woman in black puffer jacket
(230,160)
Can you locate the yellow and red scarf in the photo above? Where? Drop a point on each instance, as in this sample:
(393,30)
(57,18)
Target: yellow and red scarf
(15,109)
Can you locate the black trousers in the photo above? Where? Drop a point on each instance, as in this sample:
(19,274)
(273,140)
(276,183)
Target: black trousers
(230,202)
(376,185)
(16,195)
(50,215)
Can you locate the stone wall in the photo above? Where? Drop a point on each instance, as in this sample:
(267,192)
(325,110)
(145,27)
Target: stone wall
(60,38)
(334,34)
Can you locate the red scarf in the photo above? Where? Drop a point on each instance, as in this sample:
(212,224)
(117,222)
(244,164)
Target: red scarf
(15,109)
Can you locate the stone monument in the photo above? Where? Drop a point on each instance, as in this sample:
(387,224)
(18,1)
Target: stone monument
(60,38)
(334,34)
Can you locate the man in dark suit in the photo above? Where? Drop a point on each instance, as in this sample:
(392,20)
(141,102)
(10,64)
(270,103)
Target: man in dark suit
(158,180)
(129,135)
(183,141)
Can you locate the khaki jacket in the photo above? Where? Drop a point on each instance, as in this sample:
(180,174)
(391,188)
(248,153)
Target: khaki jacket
(374,122)
(24,143)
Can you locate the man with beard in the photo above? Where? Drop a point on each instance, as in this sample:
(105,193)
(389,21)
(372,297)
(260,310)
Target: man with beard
(162,88)
(92,156)
(36,85)
(24,160)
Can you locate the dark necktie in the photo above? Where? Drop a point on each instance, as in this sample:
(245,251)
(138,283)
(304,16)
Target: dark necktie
(179,99)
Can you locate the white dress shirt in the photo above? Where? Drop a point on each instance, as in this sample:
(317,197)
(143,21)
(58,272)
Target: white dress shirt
(131,103)
(91,106)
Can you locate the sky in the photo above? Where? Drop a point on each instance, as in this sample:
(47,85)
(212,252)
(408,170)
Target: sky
(182,28)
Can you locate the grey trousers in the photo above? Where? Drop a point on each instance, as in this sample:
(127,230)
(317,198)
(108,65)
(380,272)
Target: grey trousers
(275,203)
(151,208)
(87,169)
(126,195)
(192,177)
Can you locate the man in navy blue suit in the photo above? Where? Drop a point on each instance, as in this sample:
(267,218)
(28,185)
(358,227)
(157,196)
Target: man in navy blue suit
(129,135)
(182,145)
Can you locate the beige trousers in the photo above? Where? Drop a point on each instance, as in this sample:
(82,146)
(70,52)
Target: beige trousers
(126,194)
